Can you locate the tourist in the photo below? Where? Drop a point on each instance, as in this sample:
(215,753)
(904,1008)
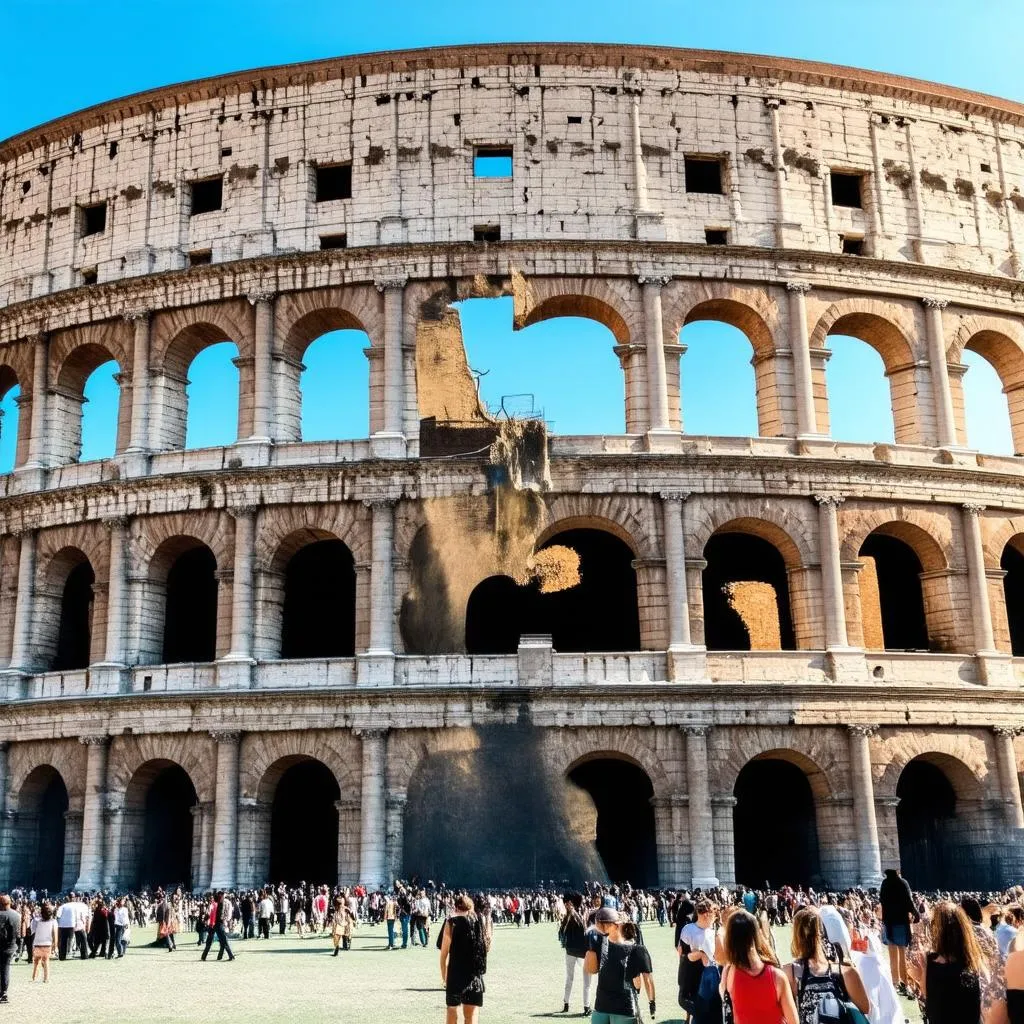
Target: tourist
(122,925)
(216,928)
(44,941)
(281,906)
(898,911)
(10,932)
(951,985)
(67,917)
(697,954)
(390,916)
(1007,929)
(811,976)
(622,965)
(166,923)
(465,940)
(99,929)
(421,917)
(266,914)
(405,915)
(757,991)
(572,933)
(1013,1006)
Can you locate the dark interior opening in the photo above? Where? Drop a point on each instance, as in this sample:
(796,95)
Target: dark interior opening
(846,189)
(74,635)
(774,827)
(924,816)
(94,219)
(703,174)
(741,558)
(904,627)
(41,812)
(495,615)
(207,195)
(339,241)
(716,236)
(333,182)
(1012,563)
(853,246)
(319,615)
(190,617)
(487,233)
(166,857)
(626,843)
(304,825)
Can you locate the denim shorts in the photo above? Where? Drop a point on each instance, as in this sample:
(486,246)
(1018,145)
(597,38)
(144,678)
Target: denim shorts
(895,935)
(600,1017)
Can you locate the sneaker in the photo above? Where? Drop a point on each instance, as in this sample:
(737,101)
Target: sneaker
(565,1008)
(586,1011)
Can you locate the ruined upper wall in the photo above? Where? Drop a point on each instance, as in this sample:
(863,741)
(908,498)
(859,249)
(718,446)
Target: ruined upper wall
(599,136)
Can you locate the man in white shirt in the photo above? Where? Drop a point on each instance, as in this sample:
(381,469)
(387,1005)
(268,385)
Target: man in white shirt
(121,924)
(266,914)
(67,916)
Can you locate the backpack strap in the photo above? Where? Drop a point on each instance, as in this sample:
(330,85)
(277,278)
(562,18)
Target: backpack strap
(802,983)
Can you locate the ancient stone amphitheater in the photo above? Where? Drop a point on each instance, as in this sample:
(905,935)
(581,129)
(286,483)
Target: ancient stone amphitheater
(787,657)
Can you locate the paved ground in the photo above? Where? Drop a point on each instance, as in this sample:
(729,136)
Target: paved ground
(288,979)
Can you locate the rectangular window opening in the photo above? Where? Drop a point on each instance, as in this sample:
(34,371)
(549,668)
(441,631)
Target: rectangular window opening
(486,233)
(94,219)
(492,162)
(333,182)
(716,236)
(853,245)
(207,195)
(846,190)
(339,241)
(200,257)
(90,276)
(575,119)
(225,151)
(703,174)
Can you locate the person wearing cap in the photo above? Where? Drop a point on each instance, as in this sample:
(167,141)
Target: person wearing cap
(622,965)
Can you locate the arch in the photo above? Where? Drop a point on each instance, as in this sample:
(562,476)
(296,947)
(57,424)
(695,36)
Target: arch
(486,631)
(783,525)
(575,302)
(284,530)
(157,827)
(334,387)
(13,426)
(188,569)
(1012,565)
(567,749)
(962,756)
(39,830)
(929,533)
(339,749)
(65,608)
(84,427)
(861,414)
(318,607)
(719,381)
(628,519)
(195,753)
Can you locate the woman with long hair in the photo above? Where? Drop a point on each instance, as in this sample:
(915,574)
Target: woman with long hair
(465,940)
(954,967)
(757,991)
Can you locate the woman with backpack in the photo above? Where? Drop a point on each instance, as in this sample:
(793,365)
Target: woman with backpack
(465,940)
(816,987)
(753,991)
(622,966)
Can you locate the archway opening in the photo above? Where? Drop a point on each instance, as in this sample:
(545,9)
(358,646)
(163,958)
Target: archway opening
(719,390)
(925,823)
(1012,564)
(986,409)
(859,399)
(892,602)
(158,808)
(774,825)
(41,825)
(318,618)
(10,405)
(101,397)
(746,595)
(211,397)
(74,634)
(304,824)
(190,615)
(334,387)
(495,616)
(625,831)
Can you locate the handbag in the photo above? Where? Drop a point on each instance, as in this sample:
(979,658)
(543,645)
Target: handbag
(728,1014)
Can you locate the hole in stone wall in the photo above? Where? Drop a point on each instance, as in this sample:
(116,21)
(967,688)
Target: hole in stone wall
(852,245)
(94,219)
(339,241)
(200,257)
(492,162)
(846,189)
(703,174)
(333,182)
(90,276)
(486,233)
(716,236)
(207,195)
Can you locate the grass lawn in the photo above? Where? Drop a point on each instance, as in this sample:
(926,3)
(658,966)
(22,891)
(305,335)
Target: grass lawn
(290,979)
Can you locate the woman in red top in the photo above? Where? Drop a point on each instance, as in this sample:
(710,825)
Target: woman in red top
(759,992)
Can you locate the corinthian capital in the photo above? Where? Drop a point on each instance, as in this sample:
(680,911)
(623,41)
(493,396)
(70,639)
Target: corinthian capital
(383,283)
(860,729)
(802,287)
(829,500)
(933,303)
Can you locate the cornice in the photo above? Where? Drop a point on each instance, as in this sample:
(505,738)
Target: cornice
(264,81)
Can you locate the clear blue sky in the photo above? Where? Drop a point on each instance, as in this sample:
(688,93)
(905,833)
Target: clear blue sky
(62,55)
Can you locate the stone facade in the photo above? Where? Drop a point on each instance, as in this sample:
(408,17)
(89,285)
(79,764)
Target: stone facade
(595,220)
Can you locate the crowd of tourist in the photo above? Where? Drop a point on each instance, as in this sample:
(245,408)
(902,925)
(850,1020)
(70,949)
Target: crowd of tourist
(851,956)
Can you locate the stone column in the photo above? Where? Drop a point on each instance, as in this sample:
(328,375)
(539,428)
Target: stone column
(372,832)
(1009,782)
(869,857)
(639,168)
(800,346)
(831,570)
(37,455)
(139,437)
(977,580)
(242,584)
(225,811)
(382,576)
(702,836)
(6,822)
(117,592)
(657,375)
(391,440)
(262,370)
(395,833)
(91,862)
(943,396)
(114,818)
(21,644)
(672,503)
(348,840)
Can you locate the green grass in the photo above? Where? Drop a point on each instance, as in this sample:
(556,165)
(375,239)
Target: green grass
(288,979)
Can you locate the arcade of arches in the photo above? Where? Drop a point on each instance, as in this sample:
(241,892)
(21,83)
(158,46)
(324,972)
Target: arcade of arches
(696,810)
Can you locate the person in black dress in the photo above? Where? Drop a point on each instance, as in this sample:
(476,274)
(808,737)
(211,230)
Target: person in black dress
(953,971)
(465,941)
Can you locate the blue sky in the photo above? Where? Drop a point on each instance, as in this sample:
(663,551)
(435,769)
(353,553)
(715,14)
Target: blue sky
(63,55)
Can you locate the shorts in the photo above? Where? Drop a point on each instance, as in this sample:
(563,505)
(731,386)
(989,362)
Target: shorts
(41,953)
(600,1017)
(471,995)
(895,935)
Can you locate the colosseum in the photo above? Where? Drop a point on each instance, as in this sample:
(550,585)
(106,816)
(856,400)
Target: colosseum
(672,658)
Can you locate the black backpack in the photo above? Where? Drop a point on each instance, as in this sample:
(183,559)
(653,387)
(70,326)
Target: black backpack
(7,936)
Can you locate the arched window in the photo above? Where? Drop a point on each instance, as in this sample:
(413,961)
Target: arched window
(10,393)
(892,602)
(859,400)
(719,391)
(986,412)
(102,395)
(1012,564)
(318,615)
(74,636)
(85,406)
(190,609)
(925,820)
(335,387)
(39,836)
(211,397)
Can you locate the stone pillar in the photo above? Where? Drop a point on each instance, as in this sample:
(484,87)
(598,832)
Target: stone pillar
(37,455)
(943,396)
(348,840)
(672,503)
(382,576)
(657,375)
(91,862)
(1009,782)
(139,437)
(242,584)
(114,818)
(800,346)
(6,819)
(395,833)
(225,811)
(869,857)
(831,570)
(390,441)
(977,580)
(372,831)
(262,369)
(639,169)
(702,836)
(21,644)
(117,593)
